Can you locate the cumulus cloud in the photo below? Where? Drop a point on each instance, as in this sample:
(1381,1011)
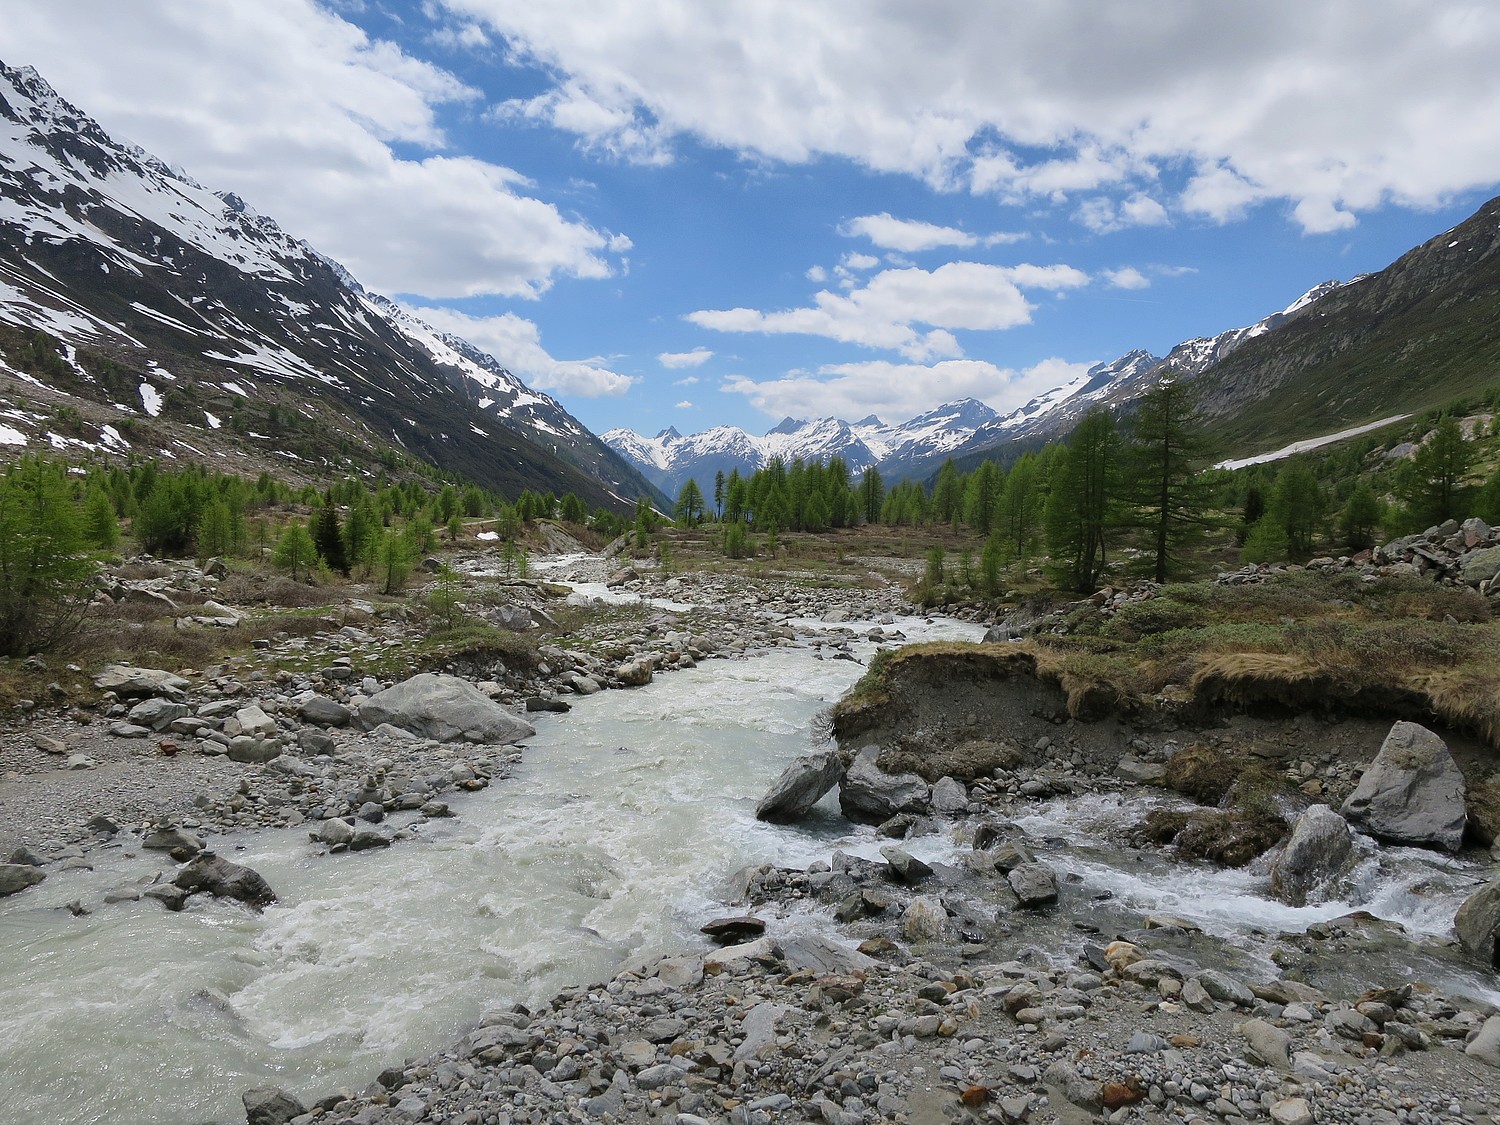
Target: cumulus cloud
(517,343)
(1104,215)
(684,405)
(1334,110)
(885,311)
(899,390)
(302,114)
(687,381)
(695,358)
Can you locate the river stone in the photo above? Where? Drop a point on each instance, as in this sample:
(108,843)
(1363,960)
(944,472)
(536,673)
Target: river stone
(759,1030)
(800,787)
(1478,924)
(1486,1045)
(126,681)
(223,879)
(903,866)
(157,713)
(870,795)
(1413,793)
(950,797)
(253,720)
(636,673)
(268,1105)
(733,931)
(1318,852)
(1222,986)
(821,955)
(15,877)
(334,832)
(924,920)
(445,709)
(168,838)
(325,712)
(248,749)
(1034,884)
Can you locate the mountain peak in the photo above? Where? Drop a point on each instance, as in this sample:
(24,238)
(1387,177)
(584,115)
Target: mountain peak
(669,434)
(787,425)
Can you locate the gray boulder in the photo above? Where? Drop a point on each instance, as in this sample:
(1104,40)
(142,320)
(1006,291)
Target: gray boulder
(126,681)
(268,1105)
(223,879)
(800,787)
(1480,566)
(1318,851)
(870,795)
(1413,793)
(1034,884)
(325,712)
(1478,924)
(950,797)
(168,838)
(15,877)
(445,709)
(1486,1045)
(157,713)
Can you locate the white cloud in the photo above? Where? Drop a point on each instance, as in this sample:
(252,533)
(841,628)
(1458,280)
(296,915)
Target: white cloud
(298,111)
(687,381)
(695,358)
(684,405)
(1334,110)
(857,261)
(911,235)
(1104,215)
(517,344)
(816,274)
(1128,277)
(899,390)
(883,313)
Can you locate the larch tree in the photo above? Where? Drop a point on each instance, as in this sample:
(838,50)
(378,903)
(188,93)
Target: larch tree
(1167,496)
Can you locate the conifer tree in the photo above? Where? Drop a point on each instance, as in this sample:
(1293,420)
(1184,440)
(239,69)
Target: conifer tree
(44,572)
(1167,494)
(295,550)
(1080,505)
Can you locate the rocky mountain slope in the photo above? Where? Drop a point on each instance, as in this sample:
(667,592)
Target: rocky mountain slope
(176,320)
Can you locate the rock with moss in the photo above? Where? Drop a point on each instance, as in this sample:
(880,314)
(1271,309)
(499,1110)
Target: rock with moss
(1202,773)
(870,795)
(1412,793)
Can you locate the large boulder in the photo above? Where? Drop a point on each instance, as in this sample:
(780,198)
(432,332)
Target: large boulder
(1034,884)
(445,709)
(1478,924)
(800,787)
(1318,852)
(1413,792)
(126,681)
(870,795)
(223,879)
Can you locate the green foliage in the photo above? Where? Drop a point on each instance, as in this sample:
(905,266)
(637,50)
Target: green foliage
(167,520)
(1297,505)
(393,559)
(1361,518)
(690,506)
(1081,504)
(328,536)
(1267,542)
(444,603)
(45,573)
(101,529)
(737,544)
(221,531)
(295,550)
(1167,496)
(871,495)
(1432,485)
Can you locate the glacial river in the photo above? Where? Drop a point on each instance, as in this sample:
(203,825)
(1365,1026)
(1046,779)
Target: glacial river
(612,840)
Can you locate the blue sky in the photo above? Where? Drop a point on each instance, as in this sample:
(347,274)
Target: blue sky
(689,213)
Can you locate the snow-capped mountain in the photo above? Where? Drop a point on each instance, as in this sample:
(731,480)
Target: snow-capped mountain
(669,459)
(1119,382)
(179,320)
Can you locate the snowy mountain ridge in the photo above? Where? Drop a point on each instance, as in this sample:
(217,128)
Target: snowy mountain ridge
(106,248)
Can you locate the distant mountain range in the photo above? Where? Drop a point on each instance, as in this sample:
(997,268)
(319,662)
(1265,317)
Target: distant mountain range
(180,322)
(965,429)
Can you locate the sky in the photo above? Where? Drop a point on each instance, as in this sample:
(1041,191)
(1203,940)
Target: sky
(696,212)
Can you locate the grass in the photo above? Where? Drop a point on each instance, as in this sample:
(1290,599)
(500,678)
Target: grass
(1399,646)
